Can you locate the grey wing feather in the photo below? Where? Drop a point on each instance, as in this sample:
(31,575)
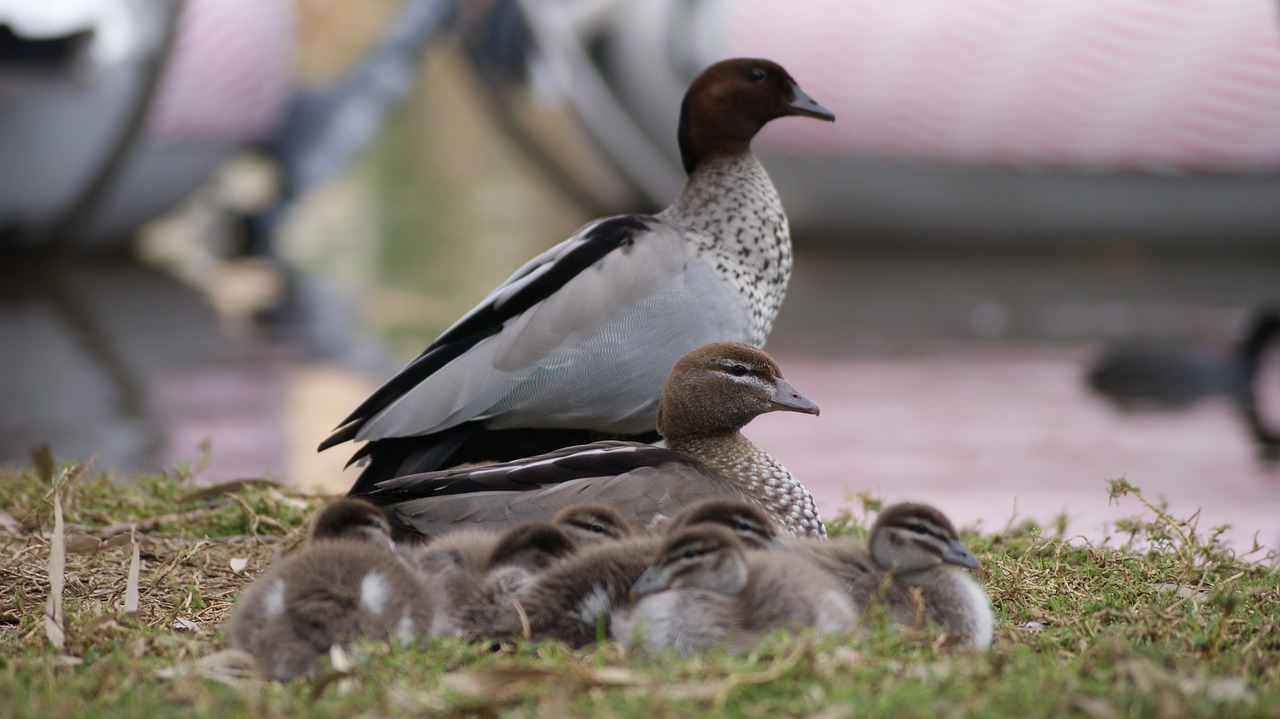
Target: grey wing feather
(642,496)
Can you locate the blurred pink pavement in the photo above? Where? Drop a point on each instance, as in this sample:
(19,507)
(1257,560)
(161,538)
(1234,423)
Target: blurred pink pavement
(987,432)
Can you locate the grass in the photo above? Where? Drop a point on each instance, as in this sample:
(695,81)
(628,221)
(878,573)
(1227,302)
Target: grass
(1169,623)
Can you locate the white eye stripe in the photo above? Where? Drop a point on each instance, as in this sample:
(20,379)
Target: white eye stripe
(749,380)
(908,535)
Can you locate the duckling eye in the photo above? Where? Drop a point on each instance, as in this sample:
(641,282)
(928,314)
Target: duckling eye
(755,74)
(919,528)
(689,553)
(738,370)
(596,528)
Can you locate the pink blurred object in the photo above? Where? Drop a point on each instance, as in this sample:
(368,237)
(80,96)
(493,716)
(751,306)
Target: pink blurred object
(1092,85)
(230,75)
(958,122)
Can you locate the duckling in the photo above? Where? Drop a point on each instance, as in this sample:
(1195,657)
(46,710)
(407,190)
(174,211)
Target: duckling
(482,572)
(751,525)
(705,590)
(576,343)
(347,583)
(591,523)
(572,600)
(710,394)
(914,564)
(519,557)
(353,519)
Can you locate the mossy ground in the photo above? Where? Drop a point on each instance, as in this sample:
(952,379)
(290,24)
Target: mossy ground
(1181,627)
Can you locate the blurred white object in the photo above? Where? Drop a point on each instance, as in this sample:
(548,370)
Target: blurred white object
(112,111)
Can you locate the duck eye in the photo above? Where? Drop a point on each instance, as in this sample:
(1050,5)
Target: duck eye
(755,74)
(919,528)
(689,553)
(738,370)
(597,529)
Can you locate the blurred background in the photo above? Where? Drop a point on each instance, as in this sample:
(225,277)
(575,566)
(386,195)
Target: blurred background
(1036,250)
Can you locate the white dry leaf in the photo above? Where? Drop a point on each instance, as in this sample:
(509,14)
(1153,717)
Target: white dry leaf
(490,683)
(1229,689)
(340,660)
(615,677)
(183,624)
(131,583)
(228,666)
(1181,591)
(293,502)
(53,620)
(842,658)
(1221,689)
(238,564)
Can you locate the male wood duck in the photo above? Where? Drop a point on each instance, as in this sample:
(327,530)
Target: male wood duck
(574,346)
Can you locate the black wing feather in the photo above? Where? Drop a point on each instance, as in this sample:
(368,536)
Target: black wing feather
(486,321)
(532,474)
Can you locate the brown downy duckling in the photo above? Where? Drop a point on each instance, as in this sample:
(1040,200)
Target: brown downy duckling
(482,572)
(915,565)
(705,590)
(591,523)
(573,599)
(347,583)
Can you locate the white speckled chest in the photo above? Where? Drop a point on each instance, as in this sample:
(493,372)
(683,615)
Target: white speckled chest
(762,479)
(736,216)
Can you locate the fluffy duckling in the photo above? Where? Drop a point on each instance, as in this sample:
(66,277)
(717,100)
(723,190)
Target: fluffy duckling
(591,523)
(747,521)
(576,343)
(914,564)
(705,590)
(482,573)
(347,583)
(710,395)
(572,600)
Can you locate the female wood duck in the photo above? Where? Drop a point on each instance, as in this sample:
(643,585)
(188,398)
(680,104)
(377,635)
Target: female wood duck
(710,394)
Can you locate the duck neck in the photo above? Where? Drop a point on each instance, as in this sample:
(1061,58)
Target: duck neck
(736,217)
(760,477)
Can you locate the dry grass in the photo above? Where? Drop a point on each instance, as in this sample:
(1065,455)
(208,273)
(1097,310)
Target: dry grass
(1174,625)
